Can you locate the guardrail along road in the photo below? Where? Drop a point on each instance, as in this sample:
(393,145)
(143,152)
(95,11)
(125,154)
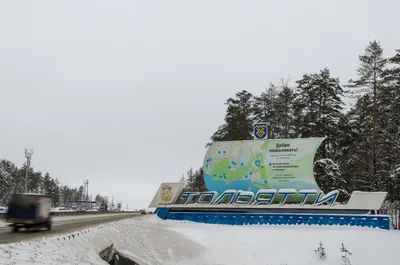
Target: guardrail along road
(69,213)
(62,225)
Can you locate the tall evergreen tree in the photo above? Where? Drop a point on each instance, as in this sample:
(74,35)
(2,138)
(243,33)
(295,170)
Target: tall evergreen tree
(390,119)
(34,181)
(65,193)
(370,156)
(284,127)
(99,198)
(392,81)
(8,177)
(238,123)
(264,109)
(195,180)
(56,192)
(370,83)
(46,184)
(319,109)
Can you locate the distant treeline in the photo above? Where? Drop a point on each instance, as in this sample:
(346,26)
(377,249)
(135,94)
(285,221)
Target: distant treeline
(12,180)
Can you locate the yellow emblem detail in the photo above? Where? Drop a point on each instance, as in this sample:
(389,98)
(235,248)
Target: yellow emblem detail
(260,131)
(166,193)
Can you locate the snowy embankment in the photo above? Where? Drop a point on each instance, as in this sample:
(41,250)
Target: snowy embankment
(149,240)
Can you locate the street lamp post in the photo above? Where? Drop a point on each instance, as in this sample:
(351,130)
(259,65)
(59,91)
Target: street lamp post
(28,156)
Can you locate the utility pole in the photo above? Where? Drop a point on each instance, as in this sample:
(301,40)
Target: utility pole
(112,202)
(28,156)
(60,202)
(85,194)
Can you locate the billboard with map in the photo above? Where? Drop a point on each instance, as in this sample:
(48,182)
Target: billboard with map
(250,165)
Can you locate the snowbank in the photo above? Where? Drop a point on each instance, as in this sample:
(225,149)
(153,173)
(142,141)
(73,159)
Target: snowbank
(85,216)
(3,224)
(149,240)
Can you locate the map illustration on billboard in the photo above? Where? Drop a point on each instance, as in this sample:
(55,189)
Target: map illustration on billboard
(251,165)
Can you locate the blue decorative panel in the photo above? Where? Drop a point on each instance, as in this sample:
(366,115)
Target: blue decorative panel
(163,213)
(373,221)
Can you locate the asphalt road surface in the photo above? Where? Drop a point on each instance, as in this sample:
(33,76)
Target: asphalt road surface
(60,226)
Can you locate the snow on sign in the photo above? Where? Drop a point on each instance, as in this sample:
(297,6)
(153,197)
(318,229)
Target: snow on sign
(266,182)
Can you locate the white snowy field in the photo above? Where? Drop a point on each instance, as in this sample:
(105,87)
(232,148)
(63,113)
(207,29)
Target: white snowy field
(149,240)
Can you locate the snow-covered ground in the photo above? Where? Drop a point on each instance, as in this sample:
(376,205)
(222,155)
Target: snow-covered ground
(3,224)
(149,240)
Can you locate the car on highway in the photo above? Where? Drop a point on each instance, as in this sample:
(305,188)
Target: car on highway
(29,210)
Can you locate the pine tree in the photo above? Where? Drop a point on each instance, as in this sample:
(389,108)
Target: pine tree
(392,205)
(318,107)
(19,180)
(80,193)
(370,106)
(56,194)
(34,181)
(46,184)
(189,180)
(330,177)
(199,183)
(98,198)
(345,255)
(8,176)
(391,110)
(389,117)
(394,189)
(320,251)
(238,123)
(264,109)
(182,179)
(195,181)
(284,127)
(65,193)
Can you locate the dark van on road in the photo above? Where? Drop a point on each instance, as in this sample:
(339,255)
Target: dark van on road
(29,210)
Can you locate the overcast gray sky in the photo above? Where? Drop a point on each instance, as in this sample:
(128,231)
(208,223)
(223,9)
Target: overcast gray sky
(127,93)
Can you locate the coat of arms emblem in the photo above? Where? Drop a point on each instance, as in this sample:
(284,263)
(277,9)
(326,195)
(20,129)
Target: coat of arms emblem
(260,130)
(166,193)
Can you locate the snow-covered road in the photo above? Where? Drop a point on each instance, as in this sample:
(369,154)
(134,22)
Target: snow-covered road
(72,217)
(61,225)
(149,240)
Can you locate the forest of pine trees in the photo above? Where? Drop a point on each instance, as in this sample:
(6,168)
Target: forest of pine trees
(362,146)
(12,180)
